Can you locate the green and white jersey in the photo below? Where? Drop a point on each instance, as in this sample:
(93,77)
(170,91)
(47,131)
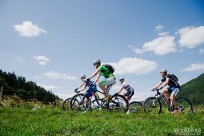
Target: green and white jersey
(105,72)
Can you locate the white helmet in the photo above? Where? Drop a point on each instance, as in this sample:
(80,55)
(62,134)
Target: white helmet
(97,61)
(163,71)
(83,76)
(121,78)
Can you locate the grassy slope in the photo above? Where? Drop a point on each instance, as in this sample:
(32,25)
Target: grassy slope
(52,121)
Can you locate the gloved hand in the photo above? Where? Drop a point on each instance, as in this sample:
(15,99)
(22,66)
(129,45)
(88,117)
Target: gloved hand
(153,89)
(76,90)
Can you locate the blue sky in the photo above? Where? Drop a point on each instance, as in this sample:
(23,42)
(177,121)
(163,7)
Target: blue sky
(53,42)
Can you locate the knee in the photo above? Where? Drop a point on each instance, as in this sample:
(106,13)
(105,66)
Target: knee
(172,97)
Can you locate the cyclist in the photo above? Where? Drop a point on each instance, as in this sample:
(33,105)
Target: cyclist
(92,89)
(173,88)
(127,87)
(109,77)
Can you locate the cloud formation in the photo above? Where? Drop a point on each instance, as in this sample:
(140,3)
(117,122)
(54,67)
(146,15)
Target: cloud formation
(162,45)
(134,66)
(191,37)
(194,67)
(56,75)
(41,60)
(28,29)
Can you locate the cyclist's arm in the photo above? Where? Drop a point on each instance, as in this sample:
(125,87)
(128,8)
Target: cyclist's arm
(120,89)
(158,84)
(81,85)
(166,83)
(95,73)
(99,75)
(83,89)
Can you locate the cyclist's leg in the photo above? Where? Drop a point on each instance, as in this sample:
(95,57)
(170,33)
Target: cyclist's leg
(172,97)
(104,83)
(130,95)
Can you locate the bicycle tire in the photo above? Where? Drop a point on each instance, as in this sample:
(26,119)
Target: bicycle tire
(78,103)
(152,105)
(184,105)
(118,103)
(135,107)
(66,104)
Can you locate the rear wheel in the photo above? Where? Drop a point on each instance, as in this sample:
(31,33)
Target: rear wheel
(184,105)
(118,103)
(152,105)
(78,103)
(135,107)
(66,104)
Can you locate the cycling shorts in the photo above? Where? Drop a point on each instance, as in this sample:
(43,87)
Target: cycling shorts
(108,81)
(90,92)
(129,94)
(173,90)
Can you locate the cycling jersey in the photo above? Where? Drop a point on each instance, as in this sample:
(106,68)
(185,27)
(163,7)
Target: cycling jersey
(92,89)
(105,72)
(171,83)
(127,87)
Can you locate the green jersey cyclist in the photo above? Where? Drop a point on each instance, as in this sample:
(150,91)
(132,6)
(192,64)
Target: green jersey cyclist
(103,71)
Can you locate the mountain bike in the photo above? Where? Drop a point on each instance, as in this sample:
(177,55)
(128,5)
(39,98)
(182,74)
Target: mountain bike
(154,104)
(116,102)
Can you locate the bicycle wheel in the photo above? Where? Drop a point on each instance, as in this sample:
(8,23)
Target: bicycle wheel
(135,107)
(78,103)
(118,103)
(184,105)
(66,104)
(152,105)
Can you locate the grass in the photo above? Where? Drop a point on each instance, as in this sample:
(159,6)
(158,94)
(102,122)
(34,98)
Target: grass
(46,120)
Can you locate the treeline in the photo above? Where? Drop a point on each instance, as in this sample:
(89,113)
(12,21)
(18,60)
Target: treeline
(26,90)
(194,90)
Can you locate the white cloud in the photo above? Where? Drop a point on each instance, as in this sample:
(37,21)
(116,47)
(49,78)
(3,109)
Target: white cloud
(194,67)
(201,51)
(191,37)
(134,66)
(159,28)
(49,87)
(28,29)
(19,60)
(42,60)
(160,46)
(56,75)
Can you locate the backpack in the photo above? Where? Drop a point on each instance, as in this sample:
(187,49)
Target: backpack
(174,77)
(109,67)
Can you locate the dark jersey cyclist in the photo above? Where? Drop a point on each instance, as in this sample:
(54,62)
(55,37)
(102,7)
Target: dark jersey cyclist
(103,71)
(173,88)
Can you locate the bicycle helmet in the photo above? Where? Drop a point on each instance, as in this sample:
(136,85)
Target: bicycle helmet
(163,71)
(121,78)
(97,61)
(83,76)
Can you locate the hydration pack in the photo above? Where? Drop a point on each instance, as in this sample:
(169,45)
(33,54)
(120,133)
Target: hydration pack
(174,77)
(109,67)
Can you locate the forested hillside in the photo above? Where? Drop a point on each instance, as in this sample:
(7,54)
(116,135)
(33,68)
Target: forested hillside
(25,89)
(194,90)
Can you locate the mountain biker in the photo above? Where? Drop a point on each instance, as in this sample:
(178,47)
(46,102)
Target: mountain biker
(109,77)
(173,88)
(92,89)
(127,87)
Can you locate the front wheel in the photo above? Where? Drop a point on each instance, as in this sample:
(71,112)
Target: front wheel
(118,103)
(184,105)
(135,107)
(152,105)
(66,104)
(79,103)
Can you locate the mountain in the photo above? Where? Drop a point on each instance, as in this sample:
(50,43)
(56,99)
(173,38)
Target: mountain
(194,90)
